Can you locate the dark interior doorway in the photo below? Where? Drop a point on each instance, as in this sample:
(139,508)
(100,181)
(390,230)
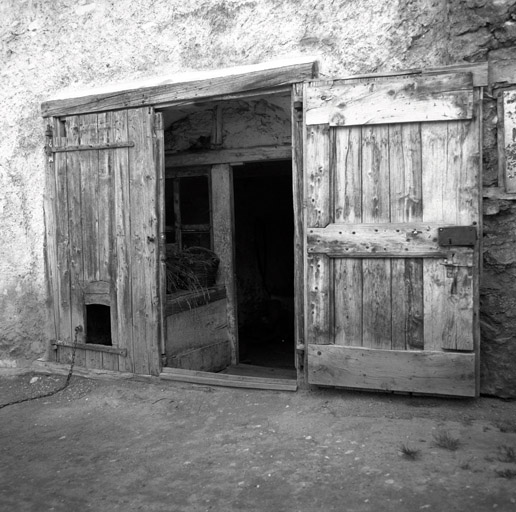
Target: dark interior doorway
(264,248)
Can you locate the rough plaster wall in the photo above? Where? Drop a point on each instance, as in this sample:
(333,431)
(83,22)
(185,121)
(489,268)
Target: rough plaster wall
(262,122)
(47,46)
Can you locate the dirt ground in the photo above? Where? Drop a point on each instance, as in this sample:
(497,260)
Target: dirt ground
(113,445)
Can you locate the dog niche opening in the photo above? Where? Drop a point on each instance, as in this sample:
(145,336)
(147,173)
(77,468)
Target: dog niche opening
(98,324)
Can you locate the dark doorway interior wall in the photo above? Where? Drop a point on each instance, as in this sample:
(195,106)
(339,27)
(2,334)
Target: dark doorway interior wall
(264,241)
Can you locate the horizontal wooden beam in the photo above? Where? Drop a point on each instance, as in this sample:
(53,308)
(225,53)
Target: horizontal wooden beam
(193,86)
(91,147)
(222,379)
(228,156)
(404,240)
(92,346)
(392,100)
(498,193)
(435,373)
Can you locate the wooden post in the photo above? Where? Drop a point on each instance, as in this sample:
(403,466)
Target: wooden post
(224,244)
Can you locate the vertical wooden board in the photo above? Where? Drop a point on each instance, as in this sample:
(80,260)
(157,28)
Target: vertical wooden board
(122,232)
(376,299)
(376,289)
(451,172)
(347,170)
(435,284)
(62,286)
(159,151)
(399,304)
(76,265)
(468,171)
(223,245)
(105,199)
(407,303)
(375,174)
(299,250)
(348,301)
(109,361)
(93,359)
(406,206)
(434,146)
(320,317)
(434,149)
(50,245)
(317,176)
(405,172)
(144,240)
(89,183)
(465,308)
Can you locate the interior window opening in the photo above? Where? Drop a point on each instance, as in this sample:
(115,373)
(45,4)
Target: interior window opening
(98,324)
(264,245)
(191,264)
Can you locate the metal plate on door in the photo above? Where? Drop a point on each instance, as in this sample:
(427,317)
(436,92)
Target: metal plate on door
(457,235)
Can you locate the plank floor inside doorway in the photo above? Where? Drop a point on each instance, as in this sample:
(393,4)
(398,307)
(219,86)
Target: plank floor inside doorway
(250,370)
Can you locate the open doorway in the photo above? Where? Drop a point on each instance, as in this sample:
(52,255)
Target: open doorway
(264,250)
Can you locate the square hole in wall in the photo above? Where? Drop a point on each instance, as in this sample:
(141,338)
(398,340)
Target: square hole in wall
(98,324)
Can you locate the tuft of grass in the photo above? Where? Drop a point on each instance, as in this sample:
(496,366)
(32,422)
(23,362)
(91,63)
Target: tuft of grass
(409,453)
(446,441)
(506,427)
(506,473)
(506,453)
(465,464)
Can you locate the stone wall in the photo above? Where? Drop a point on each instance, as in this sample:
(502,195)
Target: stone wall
(67,44)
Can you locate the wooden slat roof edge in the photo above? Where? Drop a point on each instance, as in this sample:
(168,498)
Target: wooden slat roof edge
(181,87)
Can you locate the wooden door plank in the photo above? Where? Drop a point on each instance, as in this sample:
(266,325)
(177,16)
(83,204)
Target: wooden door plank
(62,299)
(347,206)
(317,172)
(299,233)
(348,301)
(391,100)
(407,207)
(122,289)
(144,240)
(224,245)
(434,143)
(319,319)
(76,263)
(376,284)
(50,241)
(93,359)
(376,300)
(347,166)
(109,361)
(105,199)
(436,373)
(89,176)
(159,151)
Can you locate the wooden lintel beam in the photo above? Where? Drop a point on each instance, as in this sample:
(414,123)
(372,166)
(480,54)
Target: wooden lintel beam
(229,156)
(196,86)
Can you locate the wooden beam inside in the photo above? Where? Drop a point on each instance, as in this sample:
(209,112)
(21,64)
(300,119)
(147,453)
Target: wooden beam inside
(229,156)
(193,86)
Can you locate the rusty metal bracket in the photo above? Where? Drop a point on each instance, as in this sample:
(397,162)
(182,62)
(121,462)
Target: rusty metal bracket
(465,236)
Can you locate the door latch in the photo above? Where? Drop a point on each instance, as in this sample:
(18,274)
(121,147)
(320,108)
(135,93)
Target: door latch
(465,236)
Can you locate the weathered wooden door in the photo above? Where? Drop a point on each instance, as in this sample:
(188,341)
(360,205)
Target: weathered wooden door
(102,236)
(391,295)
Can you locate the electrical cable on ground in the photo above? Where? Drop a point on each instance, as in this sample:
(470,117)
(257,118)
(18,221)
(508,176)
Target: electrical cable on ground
(55,391)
